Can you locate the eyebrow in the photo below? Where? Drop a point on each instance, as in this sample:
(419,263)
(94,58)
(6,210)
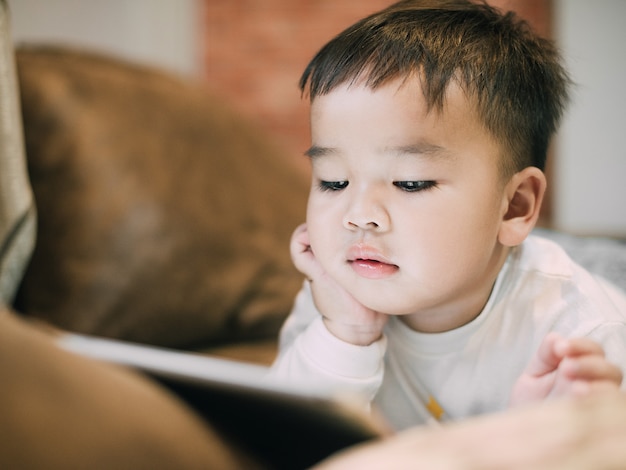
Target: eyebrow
(315,151)
(421,148)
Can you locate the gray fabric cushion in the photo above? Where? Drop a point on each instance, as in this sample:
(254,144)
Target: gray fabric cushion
(605,257)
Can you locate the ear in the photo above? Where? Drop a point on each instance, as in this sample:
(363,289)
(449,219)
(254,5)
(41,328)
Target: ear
(523,195)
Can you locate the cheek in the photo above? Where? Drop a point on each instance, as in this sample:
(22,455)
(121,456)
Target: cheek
(471,209)
(454,229)
(471,234)
(323,244)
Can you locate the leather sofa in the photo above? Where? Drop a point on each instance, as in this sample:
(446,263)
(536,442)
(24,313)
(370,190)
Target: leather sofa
(133,205)
(162,217)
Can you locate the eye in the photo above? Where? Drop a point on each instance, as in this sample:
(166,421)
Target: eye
(415,186)
(333,185)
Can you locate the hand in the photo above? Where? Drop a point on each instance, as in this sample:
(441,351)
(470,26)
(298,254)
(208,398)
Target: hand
(585,434)
(343,315)
(565,367)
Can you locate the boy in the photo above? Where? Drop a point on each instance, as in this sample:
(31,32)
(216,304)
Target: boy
(430,123)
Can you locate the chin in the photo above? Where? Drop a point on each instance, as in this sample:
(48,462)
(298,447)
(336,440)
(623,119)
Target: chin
(383,304)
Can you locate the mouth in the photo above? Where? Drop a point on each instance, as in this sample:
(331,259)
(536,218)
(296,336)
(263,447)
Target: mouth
(372,269)
(369,263)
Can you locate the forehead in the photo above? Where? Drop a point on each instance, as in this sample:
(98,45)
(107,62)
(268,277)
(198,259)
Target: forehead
(407,87)
(359,125)
(398,105)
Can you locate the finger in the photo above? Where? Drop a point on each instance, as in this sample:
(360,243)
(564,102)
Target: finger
(547,358)
(591,368)
(299,241)
(300,249)
(300,238)
(305,262)
(578,347)
(580,388)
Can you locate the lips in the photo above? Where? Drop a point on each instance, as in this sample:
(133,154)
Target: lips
(369,263)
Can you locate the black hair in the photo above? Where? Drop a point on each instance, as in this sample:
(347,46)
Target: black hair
(514,77)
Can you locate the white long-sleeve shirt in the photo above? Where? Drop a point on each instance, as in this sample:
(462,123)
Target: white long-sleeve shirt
(415,377)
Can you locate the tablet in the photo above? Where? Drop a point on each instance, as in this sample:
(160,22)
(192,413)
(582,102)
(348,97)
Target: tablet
(283,425)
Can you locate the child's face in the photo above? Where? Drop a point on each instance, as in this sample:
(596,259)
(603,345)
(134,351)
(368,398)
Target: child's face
(405,206)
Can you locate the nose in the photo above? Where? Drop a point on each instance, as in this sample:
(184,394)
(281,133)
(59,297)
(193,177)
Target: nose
(367,212)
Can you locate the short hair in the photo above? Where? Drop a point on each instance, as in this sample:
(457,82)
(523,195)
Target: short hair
(513,77)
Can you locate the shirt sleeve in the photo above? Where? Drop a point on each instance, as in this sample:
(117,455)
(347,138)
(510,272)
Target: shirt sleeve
(311,356)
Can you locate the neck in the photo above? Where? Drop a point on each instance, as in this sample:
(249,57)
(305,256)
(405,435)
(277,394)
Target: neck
(466,307)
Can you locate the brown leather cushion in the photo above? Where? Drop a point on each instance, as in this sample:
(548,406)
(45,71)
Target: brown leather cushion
(58,410)
(164,218)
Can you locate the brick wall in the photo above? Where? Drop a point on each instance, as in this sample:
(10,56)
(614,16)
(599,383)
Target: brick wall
(255,51)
